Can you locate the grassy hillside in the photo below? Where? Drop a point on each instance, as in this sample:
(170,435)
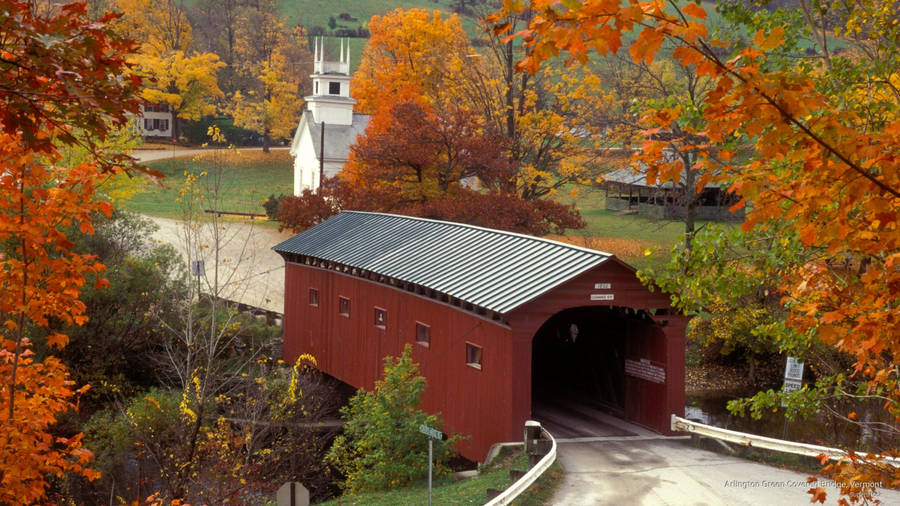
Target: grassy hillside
(313,13)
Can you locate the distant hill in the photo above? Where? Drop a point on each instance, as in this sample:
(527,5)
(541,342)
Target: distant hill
(353,16)
(350,14)
(343,18)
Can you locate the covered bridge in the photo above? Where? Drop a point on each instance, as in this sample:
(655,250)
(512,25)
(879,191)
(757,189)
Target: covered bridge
(498,321)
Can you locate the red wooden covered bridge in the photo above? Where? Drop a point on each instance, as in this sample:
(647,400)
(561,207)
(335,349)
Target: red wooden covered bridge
(499,321)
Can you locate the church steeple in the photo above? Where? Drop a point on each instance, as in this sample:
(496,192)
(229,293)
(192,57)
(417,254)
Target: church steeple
(330,101)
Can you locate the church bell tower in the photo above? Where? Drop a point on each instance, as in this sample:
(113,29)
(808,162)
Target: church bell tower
(330,101)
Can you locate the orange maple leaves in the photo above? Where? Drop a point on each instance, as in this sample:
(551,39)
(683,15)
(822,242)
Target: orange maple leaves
(818,165)
(28,451)
(63,79)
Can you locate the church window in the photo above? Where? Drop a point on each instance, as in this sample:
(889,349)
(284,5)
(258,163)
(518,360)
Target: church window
(334,88)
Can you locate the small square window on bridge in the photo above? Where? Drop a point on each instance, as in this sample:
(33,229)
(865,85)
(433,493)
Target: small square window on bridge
(423,334)
(473,355)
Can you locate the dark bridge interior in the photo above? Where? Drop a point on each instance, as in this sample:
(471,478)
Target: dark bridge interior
(578,371)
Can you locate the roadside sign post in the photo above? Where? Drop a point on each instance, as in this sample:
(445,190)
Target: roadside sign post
(793,381)
(197,269)
(432,434)
(430,460)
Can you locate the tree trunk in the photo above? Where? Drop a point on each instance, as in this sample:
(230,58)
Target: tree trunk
(690,199)
(266,141)
(174,126)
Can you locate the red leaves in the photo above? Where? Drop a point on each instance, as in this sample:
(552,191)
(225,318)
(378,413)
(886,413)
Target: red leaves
(57,340)
(688,55)
(63,72)
(27,450)
(818,494)
(87,95)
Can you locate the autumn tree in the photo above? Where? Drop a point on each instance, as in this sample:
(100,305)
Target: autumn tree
(549,120)
(181,78)
(409,50)
(185,83)
(216,24)
(819,164)
(160,25)
(271,99)
(424,153)
(429,145)
(61,73)
(555,119)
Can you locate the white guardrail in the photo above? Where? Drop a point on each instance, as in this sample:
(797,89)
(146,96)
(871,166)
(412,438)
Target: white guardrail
(768,443)
(521,485)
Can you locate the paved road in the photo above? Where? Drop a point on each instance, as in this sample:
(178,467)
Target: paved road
(648,469)
(249,271)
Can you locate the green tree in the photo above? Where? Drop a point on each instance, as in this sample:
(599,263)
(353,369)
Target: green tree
(113,351)
(381,446)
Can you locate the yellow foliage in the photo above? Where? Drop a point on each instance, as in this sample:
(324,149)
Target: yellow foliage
(275,109)
(186,83)
(410,49)
(160,25)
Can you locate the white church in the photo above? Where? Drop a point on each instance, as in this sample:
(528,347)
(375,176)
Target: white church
(329,108)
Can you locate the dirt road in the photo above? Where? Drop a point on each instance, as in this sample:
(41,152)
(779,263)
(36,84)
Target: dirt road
(249,271)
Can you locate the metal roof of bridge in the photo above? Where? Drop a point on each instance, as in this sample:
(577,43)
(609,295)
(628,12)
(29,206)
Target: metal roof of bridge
(492,269)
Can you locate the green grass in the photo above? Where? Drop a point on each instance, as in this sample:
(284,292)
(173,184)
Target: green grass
(248,178)
(540,492)
(628,237)
(446,490)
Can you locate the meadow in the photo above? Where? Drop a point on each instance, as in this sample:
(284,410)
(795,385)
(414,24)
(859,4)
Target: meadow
(248,178)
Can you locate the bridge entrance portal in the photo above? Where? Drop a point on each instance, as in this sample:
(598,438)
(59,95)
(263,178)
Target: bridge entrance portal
(594,366)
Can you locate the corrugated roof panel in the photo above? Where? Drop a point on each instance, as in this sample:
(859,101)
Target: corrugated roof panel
(492,269)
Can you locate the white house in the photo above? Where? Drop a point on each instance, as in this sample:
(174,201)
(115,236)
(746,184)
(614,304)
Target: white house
(331,107)
(155,120)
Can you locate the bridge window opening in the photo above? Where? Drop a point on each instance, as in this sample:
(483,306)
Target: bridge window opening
(344,306)
(423,334)
(380,317)
(473,355)
(313,297)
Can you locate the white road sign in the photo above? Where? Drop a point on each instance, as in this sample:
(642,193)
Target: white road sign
(793,369)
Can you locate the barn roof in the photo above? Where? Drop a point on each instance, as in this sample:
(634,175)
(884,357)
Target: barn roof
(491,269)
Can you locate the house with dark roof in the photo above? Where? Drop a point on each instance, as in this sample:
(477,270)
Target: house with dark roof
(328,127)
(503,325)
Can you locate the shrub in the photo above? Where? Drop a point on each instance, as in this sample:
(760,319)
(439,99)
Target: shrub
(309,209)
(381,446)
(272,204)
